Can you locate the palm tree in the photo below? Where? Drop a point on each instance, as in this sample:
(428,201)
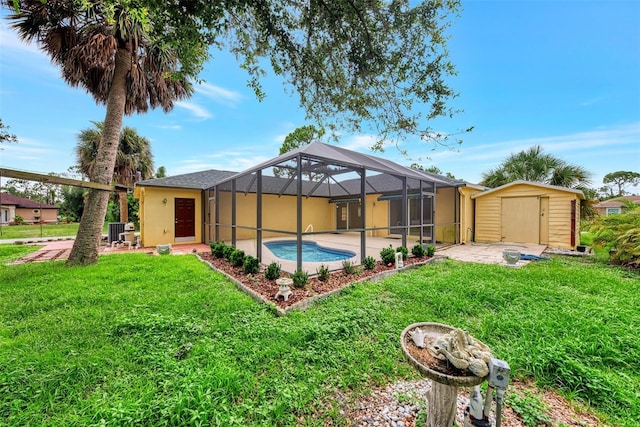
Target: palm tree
(134,160)
(534,165)
(107,51)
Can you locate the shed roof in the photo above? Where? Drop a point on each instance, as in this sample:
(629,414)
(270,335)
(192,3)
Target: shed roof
(579,193)
(21,202)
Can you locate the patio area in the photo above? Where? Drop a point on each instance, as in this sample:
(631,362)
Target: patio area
(475,252)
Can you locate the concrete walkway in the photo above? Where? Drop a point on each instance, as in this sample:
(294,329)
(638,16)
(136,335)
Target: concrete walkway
(489,253)
(54,250)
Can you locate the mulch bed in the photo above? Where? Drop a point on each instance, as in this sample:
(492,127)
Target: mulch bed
(268,288)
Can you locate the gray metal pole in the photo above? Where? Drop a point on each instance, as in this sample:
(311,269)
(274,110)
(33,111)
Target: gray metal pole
(299,213)
(259,215)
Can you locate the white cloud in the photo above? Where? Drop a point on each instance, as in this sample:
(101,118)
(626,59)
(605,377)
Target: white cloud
(171,127)
(194,108)
(359,143)
(219,94)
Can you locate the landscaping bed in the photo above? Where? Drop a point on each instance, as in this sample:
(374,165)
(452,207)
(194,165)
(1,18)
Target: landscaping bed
(315,288)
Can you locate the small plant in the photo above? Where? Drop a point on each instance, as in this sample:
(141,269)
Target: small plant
(530,407)
(272,271)
(388,255)
(18,220)
(431,250)
(300,278)
(237,257)
(323,273)
(403,250)
(217,249)
(369,263)
(227,251)
(418,250)
(251,265)
(349,267)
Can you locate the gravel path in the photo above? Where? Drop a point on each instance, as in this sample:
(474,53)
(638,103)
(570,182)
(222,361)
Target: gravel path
(402,403)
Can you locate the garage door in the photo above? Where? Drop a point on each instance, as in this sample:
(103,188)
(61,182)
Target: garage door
(521,220)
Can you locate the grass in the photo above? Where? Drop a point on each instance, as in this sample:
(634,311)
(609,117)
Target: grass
(144,340)
(36,230)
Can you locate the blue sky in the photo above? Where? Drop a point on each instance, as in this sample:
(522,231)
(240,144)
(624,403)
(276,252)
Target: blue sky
(561,74)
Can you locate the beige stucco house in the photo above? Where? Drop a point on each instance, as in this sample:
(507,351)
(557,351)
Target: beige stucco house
(324,194)
(326,189)
(31,211)
(615,206)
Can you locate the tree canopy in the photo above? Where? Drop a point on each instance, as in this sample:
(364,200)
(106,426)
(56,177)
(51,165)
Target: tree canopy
(350,63)
(535,165)
(621,179)
(134,161)
(5,136)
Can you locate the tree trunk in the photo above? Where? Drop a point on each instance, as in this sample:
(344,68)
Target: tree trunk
(124,206)
(87,243)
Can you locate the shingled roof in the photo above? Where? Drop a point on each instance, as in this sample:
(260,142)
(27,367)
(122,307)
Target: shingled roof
(21,202)
(196,180)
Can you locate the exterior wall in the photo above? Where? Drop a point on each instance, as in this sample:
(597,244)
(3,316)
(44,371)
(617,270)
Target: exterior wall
(30,214)
(446,228)
(157,219)
(489,214)
(278,213)
(377,215)
(467,213)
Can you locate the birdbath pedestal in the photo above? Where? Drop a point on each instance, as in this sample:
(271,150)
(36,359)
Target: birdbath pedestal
(442,398)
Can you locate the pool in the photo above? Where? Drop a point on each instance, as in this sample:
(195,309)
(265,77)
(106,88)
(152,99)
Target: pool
(311,251)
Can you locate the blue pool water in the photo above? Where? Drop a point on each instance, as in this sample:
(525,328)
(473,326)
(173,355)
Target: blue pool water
(311,251)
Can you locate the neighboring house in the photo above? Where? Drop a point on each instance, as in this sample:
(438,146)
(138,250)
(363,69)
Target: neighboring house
(615,206)
(529,212)
(31,211)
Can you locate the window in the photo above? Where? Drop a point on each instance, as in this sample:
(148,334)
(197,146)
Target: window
(613,211)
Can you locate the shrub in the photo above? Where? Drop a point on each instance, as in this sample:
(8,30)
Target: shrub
(227,251)
(217,249)
(403,250)
(323,273)
(272,271)
(418,251)
(621,235)
(388,255)
(349,267)
(18,220)
(369,263)
(431,250)
(237,257)
(300,278)
(251,265)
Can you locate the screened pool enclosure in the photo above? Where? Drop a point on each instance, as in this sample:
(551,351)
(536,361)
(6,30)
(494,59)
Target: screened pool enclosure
(324,189)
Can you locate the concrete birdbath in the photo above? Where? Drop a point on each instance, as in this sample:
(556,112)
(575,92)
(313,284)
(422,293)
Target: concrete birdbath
(418,341)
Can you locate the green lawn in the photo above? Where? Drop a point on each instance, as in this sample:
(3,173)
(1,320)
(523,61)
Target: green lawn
(144,340)
(10,232)
(36,230)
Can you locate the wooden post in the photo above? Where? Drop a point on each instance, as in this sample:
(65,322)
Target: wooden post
(442,400)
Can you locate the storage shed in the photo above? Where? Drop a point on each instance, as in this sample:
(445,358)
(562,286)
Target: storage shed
(529,212)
